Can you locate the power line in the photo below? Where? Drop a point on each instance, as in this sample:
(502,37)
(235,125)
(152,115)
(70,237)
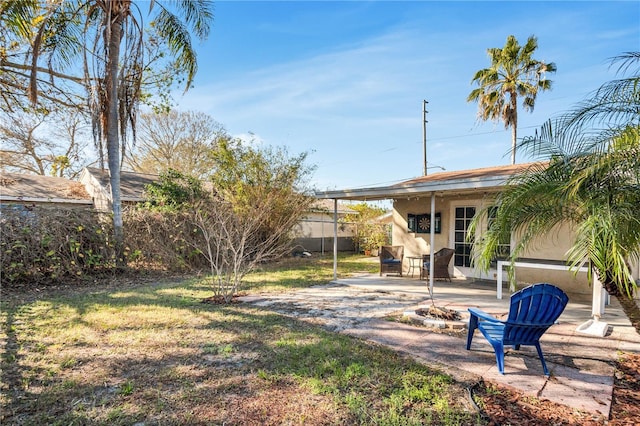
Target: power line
(479,134)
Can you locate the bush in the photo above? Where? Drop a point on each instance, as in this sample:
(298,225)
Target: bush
(370,233)
(39,244)
(162,239)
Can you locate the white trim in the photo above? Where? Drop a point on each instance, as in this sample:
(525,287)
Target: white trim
(463,270)
(43,200)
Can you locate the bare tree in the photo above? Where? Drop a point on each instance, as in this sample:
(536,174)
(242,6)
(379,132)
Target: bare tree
(232,241)
(247,216)
(44,143)
(182,141)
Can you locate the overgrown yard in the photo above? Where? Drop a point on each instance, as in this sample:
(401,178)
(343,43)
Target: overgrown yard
(148,351)
(155,354)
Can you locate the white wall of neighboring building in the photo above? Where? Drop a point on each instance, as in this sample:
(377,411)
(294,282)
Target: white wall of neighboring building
(317,224)
(315,232)
(101,199)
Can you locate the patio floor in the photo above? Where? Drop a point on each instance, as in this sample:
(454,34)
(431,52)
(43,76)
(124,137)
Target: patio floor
(581,365)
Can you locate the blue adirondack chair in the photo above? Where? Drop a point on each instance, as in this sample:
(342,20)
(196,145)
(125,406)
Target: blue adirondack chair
(532,311)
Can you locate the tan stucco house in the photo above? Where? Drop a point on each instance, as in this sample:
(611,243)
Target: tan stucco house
(450,200)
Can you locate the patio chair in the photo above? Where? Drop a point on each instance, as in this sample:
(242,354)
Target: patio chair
(441,260)
(532,311)
(391,258)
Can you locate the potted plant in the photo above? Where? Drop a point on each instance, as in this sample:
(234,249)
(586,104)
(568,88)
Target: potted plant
(373,236)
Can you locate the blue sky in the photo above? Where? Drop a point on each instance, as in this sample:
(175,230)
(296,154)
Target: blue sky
(345,81)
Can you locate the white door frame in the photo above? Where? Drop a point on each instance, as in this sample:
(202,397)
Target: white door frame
(463,271)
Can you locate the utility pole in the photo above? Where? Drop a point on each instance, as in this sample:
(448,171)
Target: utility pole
(424,137)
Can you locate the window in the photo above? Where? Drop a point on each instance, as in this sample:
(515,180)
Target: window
(411,222)
(464,216)
(421,223)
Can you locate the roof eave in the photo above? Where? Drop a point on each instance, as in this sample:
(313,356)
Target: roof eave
(44,200)
(403,190)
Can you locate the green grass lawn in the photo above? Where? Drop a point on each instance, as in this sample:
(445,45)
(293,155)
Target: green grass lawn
(155,354)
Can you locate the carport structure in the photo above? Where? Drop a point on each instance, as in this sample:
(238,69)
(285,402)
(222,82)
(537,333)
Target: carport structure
(466,183)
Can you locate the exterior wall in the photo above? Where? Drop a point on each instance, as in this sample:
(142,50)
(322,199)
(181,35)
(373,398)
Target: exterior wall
(318,225)
(551,247)
(417,244)
(101,200)
(554,245)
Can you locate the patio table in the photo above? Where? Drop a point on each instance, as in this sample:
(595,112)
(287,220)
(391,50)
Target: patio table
(415,262)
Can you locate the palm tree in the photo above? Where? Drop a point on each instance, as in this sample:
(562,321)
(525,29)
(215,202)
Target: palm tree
(513,73)
(591,180)
(17,19)
(113,71)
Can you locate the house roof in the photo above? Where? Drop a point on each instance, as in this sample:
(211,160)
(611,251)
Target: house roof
(132,184)
(450,181)
(18,187)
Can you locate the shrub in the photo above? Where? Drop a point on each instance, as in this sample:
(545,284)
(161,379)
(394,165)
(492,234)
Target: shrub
(40,244)
(161,239)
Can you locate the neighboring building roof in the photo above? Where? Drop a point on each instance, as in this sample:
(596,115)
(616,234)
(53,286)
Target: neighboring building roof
(385,218)
(132,184)
(456,181)
(18,187)
(327,206)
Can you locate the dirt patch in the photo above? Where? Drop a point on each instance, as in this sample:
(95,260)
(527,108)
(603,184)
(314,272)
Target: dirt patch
(222,300)
(439,313)
(625,409)
(282,403)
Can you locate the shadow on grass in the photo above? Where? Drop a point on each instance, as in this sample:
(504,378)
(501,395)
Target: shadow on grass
(11,374)
(186,373)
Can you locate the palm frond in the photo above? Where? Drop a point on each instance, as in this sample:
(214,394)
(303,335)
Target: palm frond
(18,16)
(198,16)
(614,104)
(170,27)
(531,204)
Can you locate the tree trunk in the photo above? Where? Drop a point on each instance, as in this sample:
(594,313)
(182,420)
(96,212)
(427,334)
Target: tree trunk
(114,35)
(629,305)
(631,309)
(514,127)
